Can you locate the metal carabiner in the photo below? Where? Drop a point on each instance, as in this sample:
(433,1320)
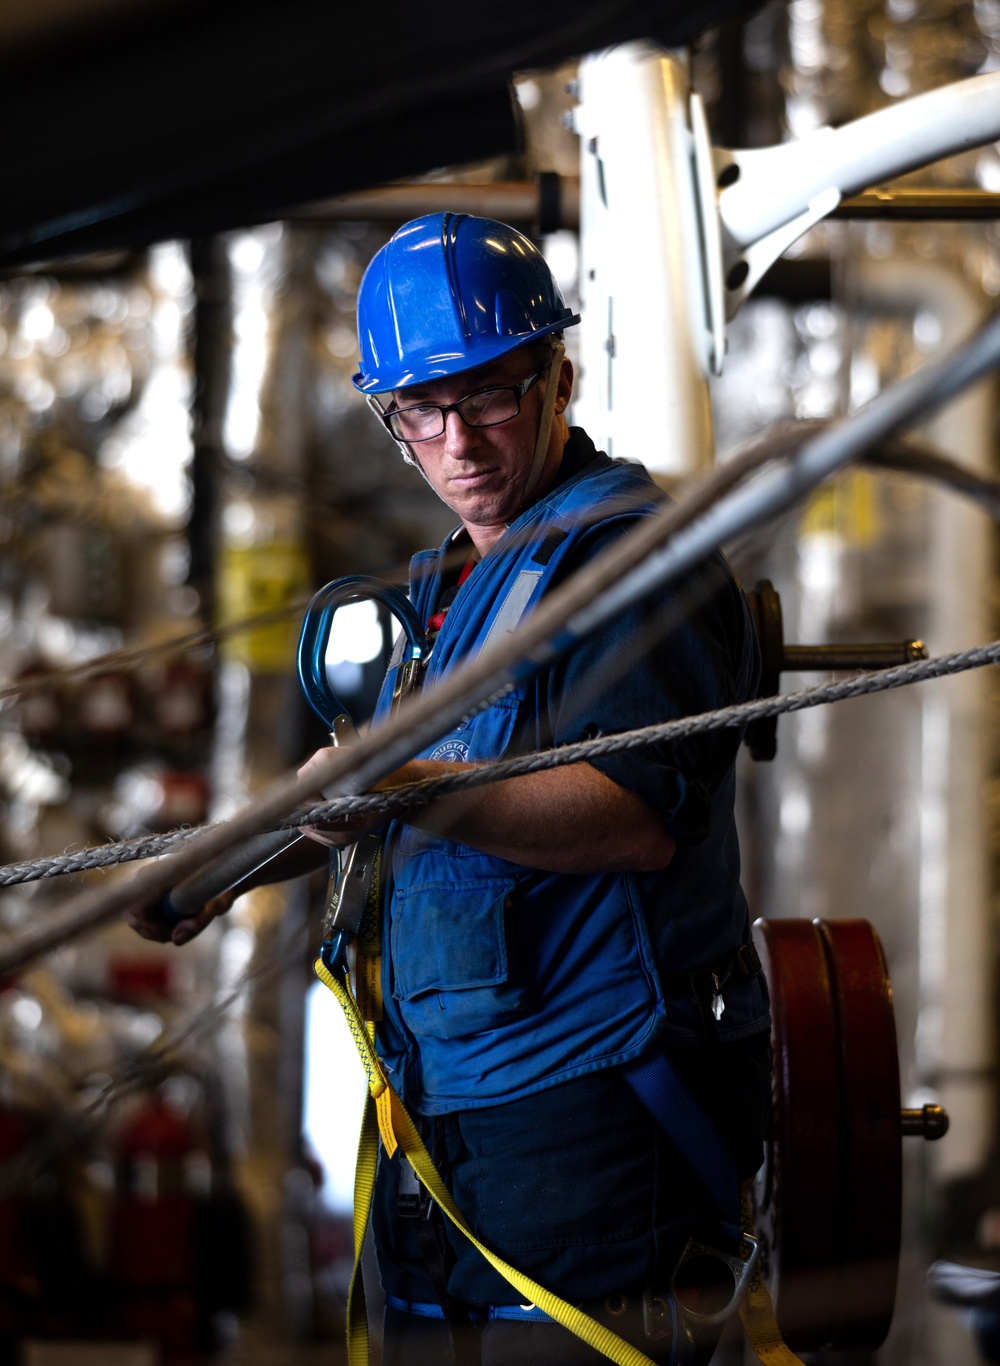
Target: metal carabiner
(230,871)
(314,638)
(355,864)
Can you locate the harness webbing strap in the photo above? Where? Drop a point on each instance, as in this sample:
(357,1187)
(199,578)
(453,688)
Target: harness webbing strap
(358,1348)
(761,1326)
(757,1313)
(395,1118)
(511,1313)
(666,1096)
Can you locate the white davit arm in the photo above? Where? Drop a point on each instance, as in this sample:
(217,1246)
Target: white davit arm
(771,195)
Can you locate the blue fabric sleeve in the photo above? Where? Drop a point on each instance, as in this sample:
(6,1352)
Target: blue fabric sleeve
(690,650)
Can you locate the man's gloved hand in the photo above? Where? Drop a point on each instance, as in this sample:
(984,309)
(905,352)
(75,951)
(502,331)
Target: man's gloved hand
(149,921)
(237,867)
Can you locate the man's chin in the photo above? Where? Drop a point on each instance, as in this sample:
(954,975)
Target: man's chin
(482,511)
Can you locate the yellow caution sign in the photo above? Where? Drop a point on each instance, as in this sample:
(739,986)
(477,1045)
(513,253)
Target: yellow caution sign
(255,580)
(845,507)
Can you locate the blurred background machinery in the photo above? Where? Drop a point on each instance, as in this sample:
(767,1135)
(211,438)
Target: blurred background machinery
(182,457)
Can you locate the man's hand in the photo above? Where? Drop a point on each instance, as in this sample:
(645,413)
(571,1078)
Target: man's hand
(342,831)
(149,923)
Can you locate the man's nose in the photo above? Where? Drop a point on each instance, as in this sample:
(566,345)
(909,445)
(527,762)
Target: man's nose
(459,437)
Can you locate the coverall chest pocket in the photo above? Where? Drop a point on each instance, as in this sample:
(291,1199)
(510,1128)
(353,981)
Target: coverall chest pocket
(452,973)
(484,736)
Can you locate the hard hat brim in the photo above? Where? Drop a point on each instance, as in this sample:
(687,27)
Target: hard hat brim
(424,369)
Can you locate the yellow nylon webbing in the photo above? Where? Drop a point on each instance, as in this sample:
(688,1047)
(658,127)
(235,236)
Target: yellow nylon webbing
(364,1186)
(761,1326)
(397,1129)
(757,1311)
(401,1129)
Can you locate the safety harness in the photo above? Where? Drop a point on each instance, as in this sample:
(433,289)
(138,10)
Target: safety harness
(352,930)
(656,1083)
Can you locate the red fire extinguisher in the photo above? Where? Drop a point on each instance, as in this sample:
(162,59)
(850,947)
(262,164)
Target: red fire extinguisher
(154,1225)
(13,1136)
(16,1277)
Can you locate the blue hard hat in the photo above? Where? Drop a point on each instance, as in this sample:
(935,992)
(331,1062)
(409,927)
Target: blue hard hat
(449,292)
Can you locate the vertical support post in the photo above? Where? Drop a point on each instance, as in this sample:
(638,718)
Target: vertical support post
(645,339)
(955,1031)
(211,345)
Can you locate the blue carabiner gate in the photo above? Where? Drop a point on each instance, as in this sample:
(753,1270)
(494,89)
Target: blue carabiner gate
(317,624)
(355,866)
(234,868)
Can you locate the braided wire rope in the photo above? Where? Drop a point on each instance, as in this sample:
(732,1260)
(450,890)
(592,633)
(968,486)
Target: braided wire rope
(392,800)
(723,504)
(134,1074)
(954,372)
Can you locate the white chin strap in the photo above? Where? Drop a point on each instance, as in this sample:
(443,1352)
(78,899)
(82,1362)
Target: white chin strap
(406,452)
(545,422)
(411,459)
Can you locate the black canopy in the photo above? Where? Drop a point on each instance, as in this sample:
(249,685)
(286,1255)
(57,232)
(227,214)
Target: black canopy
(173,118)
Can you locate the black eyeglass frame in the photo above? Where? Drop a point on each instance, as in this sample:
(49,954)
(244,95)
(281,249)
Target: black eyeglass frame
(518,390)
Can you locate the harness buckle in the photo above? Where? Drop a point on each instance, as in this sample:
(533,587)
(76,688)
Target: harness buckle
(412,1200)
(349,892)
(411,1207)
(748,959)
(408,678)
(706,1286)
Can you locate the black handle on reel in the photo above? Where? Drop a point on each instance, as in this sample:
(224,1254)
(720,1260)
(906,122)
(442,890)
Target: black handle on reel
(777,658)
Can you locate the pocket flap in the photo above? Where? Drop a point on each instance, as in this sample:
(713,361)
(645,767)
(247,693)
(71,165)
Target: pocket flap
(449,936)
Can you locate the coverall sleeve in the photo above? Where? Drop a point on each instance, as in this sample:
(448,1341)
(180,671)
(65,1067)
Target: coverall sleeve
(690,650)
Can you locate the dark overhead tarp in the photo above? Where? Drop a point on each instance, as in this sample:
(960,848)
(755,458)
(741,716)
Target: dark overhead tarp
(180,119)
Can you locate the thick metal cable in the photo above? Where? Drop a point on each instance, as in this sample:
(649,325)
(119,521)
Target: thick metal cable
(390,801)
(898,455)
(155,1061)
(191,850)
(666,545)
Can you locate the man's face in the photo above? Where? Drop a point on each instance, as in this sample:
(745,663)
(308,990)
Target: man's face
(481,472)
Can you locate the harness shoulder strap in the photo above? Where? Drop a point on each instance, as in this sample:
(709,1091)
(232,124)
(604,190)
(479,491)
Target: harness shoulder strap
(667,1097)
(397,1129)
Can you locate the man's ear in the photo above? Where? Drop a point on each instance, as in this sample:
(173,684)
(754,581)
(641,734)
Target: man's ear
(565,391)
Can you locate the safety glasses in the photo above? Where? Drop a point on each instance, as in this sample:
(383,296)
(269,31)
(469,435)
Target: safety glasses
(484,408)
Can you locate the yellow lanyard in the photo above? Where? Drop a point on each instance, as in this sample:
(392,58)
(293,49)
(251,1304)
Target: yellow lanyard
(392,1120)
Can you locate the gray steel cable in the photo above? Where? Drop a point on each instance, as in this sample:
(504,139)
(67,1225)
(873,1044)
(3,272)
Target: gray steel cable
(390,801)
(138,1073)
(722,505)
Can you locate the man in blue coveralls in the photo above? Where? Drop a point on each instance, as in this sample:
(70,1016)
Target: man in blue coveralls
(547,936)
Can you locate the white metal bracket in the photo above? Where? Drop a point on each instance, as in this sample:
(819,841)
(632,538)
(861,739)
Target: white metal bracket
(709,233)
(768,197)
(745,272)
